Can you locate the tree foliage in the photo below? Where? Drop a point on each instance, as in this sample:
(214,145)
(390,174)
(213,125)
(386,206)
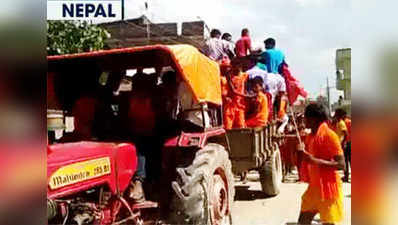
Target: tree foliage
(65,37)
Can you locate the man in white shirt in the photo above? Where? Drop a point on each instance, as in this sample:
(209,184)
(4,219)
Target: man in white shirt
(215,48)
(275,85)
(255,71)
(227,38)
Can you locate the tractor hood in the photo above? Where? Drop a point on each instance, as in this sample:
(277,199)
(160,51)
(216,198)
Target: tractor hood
(79,151)
(75,167)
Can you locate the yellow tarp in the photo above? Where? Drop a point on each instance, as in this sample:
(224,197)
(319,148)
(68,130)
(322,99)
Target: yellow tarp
(201,73)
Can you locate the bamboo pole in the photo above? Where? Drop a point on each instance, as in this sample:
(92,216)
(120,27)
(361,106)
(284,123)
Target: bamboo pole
(295,124)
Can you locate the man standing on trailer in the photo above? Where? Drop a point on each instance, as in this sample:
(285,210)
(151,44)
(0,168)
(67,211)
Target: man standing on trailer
(227,38)
(260,116)
(215,48)
(243,46)
(234,111)
(272,57)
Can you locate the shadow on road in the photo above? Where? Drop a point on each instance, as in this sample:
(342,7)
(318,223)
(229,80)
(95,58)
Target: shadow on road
(295,223)
(242,193)
(314,222)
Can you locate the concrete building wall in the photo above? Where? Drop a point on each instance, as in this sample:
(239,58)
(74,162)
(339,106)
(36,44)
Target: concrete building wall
(343,72)
(343,78)
(140,31)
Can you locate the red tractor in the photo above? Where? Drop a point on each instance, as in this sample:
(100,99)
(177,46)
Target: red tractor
(98,125)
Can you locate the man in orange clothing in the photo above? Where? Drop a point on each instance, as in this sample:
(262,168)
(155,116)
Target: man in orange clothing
(225,68)
(260,116)
(339,126)
(234,111)
(322,156)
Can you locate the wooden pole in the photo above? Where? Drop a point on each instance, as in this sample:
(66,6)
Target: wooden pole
(295,124)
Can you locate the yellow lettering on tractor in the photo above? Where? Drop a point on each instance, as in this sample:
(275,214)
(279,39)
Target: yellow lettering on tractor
(80,171)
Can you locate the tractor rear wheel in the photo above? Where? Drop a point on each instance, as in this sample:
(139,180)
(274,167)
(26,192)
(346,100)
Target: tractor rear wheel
(204,191)
(271,174)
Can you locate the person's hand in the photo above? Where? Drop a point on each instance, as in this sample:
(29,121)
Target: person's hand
(228,99)
(301,147)
(304,154)
(307,157)
(344,145)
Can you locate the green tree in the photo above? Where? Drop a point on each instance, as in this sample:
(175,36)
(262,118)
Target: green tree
(66,37)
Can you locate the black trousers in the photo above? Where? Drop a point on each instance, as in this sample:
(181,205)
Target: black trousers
(149,158)
(347,157)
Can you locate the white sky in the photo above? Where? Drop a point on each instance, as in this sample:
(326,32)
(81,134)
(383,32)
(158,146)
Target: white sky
(308,31)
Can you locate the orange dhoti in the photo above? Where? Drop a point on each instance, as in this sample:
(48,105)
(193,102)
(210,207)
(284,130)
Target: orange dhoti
(330,210)
(234,116)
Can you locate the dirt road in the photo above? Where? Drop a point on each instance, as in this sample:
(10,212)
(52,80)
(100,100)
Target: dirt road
(252,207)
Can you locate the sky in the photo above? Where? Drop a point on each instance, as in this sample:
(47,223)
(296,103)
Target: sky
(307,31)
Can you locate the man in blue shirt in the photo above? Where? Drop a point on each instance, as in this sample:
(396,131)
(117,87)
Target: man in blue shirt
(272,57)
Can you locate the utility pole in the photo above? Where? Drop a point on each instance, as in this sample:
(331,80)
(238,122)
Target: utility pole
(121,30)
(148,31)
(328,93)
(122,10)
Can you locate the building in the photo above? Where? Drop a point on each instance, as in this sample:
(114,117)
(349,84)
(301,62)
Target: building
(141,31)
(343,78)
(299,105)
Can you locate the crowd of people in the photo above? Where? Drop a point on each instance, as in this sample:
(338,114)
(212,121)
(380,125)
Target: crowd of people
(253,82)
(254,91)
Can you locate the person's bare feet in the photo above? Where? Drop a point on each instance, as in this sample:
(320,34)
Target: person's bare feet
(136,191)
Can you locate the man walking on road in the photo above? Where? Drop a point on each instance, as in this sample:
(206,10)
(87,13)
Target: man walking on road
(339,126)
(347,149)
(342,126)
(322,156)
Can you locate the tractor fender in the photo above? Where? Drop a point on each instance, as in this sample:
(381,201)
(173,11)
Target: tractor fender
(198,139)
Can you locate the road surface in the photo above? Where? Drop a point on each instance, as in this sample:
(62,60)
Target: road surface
(252,207)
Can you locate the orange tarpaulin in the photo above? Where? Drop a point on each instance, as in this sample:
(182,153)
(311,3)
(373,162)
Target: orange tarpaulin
(201,73)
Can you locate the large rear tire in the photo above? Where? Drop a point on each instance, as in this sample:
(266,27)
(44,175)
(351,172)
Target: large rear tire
(271,174)
(204,191)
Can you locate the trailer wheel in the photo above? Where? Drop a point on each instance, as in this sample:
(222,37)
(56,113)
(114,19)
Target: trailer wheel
(204,191)
(271,174)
